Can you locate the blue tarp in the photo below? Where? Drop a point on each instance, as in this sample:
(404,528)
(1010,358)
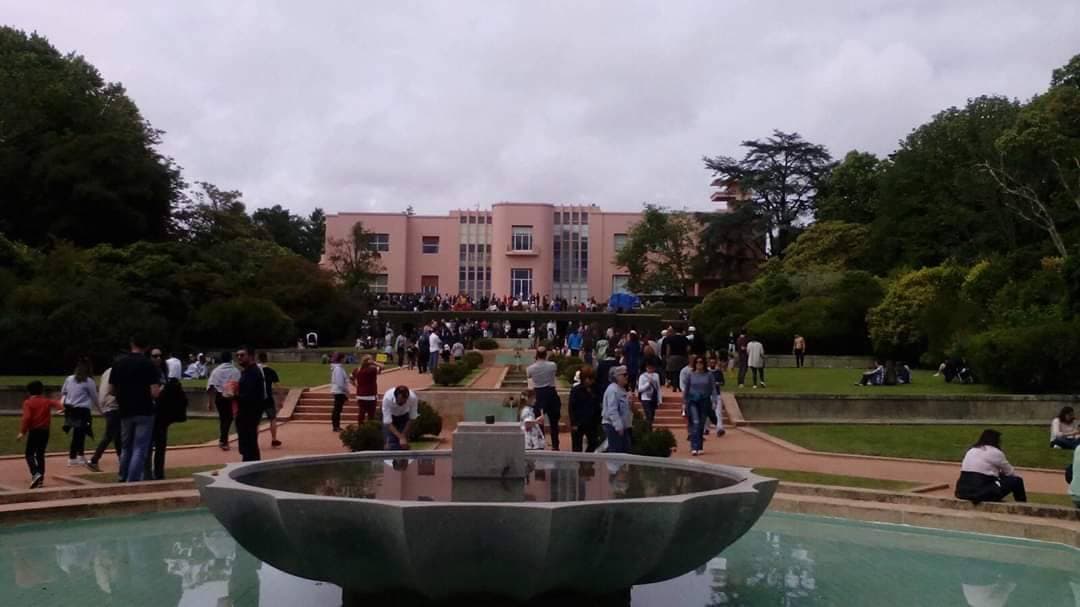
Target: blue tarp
(623,301)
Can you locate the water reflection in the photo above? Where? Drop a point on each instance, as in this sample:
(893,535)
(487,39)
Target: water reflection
(429,479)
(188,560)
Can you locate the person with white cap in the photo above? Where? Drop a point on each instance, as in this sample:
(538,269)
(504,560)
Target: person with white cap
(615,412)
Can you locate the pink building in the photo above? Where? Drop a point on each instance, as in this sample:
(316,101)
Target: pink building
(513,249)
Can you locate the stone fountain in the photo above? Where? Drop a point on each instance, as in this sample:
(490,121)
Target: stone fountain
(485,519)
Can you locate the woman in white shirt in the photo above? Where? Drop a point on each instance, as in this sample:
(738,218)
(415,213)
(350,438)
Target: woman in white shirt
(1063,431)
(79,394)
(985,474)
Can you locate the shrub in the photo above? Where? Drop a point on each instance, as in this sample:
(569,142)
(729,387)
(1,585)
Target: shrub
(566,366)
(1038,359)
(828,245)
(366,437)
(448,374)
(726,310)
(473,359)
(656,443)
(922,311)
(428,422)
(485,343)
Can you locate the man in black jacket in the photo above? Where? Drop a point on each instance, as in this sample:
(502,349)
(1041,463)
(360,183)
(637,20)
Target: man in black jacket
(252,403)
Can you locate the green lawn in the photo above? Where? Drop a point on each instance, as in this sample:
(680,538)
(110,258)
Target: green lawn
(191,432)
(842,381)
(1023,445)
(293,375)
(170,473)
(817,478)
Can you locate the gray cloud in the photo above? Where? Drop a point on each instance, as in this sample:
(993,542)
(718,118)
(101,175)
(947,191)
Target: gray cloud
(441,105)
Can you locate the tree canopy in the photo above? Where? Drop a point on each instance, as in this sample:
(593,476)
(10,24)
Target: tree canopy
(660,252)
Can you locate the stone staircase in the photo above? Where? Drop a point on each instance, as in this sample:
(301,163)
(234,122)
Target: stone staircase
(515,378)
(669,414)
(318,407)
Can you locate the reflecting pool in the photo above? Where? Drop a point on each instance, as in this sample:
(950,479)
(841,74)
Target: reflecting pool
(187,559)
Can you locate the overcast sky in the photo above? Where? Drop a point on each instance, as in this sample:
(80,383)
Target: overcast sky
(449,104)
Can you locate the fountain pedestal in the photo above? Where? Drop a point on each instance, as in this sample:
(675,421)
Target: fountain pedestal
(488,451)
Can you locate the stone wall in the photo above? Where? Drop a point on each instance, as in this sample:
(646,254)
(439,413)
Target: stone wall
(1014,409)
(787,361)
(457,405)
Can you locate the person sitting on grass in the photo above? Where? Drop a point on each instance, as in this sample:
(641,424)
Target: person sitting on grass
(873,376)
(903,374)
(985,474)
(1063,431)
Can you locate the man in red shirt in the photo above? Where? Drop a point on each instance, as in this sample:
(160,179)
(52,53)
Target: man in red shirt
(365,379)
(36,419)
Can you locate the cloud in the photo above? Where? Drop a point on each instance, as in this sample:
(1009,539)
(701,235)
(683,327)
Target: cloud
(353,106)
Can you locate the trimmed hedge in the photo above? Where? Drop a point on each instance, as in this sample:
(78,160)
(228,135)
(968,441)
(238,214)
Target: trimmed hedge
(658,442)
(485,343)
(449,374)
(566,366)
(474,358)
(428,422)
(1035,359)
(366,437)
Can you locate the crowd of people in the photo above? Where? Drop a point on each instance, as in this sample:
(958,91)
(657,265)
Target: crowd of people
(139,397)
(491,303)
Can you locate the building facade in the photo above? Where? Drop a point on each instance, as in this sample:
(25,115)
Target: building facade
(513,249)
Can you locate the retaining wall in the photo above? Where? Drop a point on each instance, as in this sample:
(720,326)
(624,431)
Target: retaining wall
(458,405)
(1015,409)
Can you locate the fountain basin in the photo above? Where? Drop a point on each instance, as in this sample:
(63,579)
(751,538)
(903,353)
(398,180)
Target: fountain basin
(577,523)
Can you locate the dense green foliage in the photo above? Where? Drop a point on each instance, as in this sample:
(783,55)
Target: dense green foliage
(428,422)
(453,373)
(485,343)
(654,442)
(1039,358)
(365,437)
(659,254)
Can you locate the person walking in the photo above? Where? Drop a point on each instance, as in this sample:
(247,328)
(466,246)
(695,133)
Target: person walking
(798,348)
(170,407)
(615,412)
(698,398)
(34,427)
(79,395)
(220,395)
(136,382)
(542,374)
(108,409)
(755,359)
(985,473)
(648,390)
(743,358)
(400,408)
(251,398)
(632,353)
(365,380)
(676,348)
(272,406)
(339,389)
(584,412)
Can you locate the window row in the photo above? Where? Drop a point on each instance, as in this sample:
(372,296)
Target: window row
(476,219)
(568,218)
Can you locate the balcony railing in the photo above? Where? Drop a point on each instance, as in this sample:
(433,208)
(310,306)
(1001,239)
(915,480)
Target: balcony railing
(532,251)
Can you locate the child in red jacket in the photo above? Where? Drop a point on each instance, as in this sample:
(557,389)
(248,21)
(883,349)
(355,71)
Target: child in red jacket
(36,418)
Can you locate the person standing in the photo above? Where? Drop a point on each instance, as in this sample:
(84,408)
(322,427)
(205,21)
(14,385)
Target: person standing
(648,390)
(365,380)
(34,426)
(272,378)
(584,412)
(573,342)
(136,382)
(219,394)
(740,346)
(698,398)
(542,374)
(632,353)
(339,389)
(615,412)
(108,409)
(434,349)
(798,348)
(698,347)
(400,408)
(676,348)
(170,408)
(400,343)
(174,369)
(423,355)
(755,359)
(252,403)
(79,394)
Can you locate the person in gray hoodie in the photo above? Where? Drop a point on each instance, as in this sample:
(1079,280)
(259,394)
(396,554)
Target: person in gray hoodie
(615,413)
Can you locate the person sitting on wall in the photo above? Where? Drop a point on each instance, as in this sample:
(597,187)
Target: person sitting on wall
(985,474)
(1063,430)
(874,376)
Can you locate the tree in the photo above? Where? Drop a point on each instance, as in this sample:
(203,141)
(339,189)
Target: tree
(828,246)
(353,261)
(935,200)
(783,174)
(1068,74)
(922,312)
(211,215)
(77,159)
(315,235)
(850,193)
(1038,167)
(731,245)
(659,252)
(300,235)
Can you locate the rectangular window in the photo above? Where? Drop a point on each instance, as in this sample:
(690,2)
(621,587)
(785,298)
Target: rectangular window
(472,218)
(521,238)
(461,250)
(489,219)
(584,219)
(464,219)
(574,218)
(620,242)
(430,245)
(558,218)
(620,283)
(379,243)
(521,282)
(379,283)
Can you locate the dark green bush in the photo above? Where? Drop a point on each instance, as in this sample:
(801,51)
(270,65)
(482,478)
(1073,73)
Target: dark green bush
(448,374)
(485,343)
(658,442)
(1034,359)
(243,320)
(428,422)
(366,437)
(473,359)
(566,366)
